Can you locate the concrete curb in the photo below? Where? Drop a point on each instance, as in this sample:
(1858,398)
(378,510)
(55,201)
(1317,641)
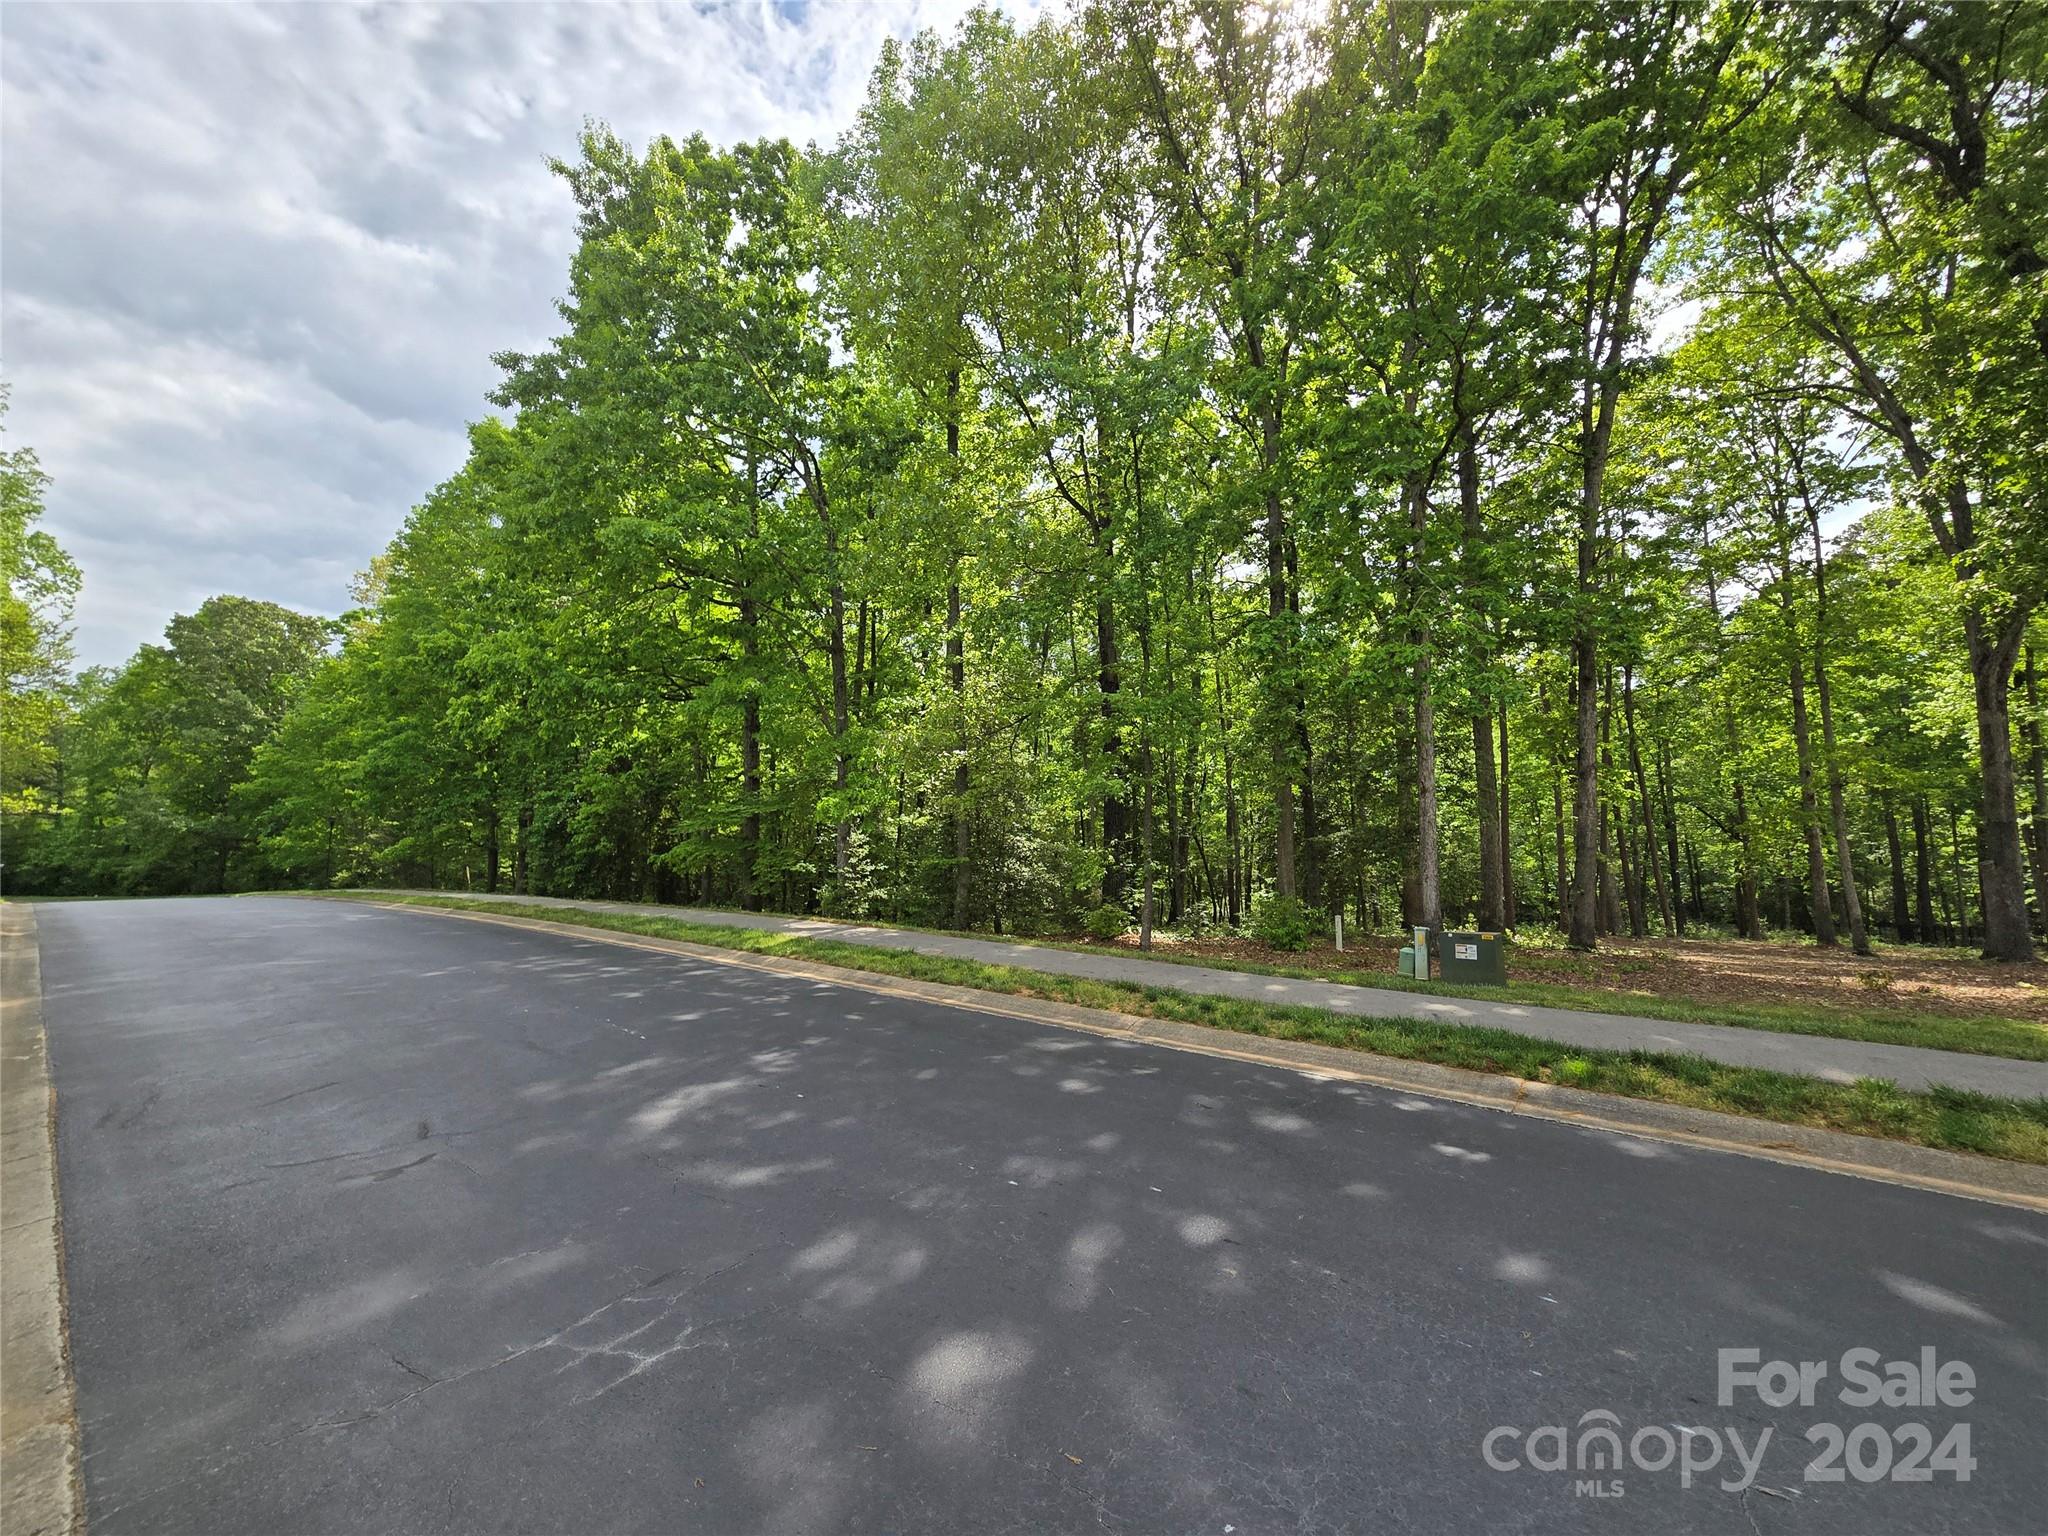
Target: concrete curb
(2023,1185)
(40,1492)
(1829,1058)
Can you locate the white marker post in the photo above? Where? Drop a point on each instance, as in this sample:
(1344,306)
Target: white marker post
(1340,933)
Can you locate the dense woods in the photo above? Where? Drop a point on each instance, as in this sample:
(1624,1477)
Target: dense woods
(1202,464)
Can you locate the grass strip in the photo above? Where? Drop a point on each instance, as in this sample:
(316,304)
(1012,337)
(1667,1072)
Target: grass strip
(1892,1023)
(1981,1035)
(2013,1129)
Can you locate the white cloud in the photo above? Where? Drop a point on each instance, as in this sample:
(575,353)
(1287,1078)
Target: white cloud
(254,260)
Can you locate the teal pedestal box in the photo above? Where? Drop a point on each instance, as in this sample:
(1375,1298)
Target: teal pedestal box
(1414,958)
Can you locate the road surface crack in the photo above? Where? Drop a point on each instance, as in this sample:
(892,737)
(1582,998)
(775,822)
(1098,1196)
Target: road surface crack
(299,1094)
(414,1370)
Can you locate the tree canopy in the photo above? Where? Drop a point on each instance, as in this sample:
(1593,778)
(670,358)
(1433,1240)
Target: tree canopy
(1204,463)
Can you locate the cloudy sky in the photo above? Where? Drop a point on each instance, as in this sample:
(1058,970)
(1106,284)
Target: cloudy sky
(254,261)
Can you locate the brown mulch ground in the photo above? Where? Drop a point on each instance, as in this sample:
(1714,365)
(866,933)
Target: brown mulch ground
(1902,977)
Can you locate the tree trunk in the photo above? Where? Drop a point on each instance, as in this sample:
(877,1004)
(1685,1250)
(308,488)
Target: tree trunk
(521,843)
(1749,917)
(750,759)
(1233,872)
(1309,873)
(1487,811)
(1923,883)
(1430,914)
(1613,273)
(1588,823)
(650,871)
(874,665)
(1116,863)
(1492,886)
(1427,870)
(1609,915)
(1749,914)
(1631,874)
(1902,919)
(1183,818)
(1279,613)
(1960,906)
(1635,757)
(1564,885)
(1610,890)
(956,667)
(1852,905)
(1405,818)
(1145,835)
(2000,875)
(2039,765)
(1507,862)
(1671,833)
(842,829)
(750,777)
(860,651)
(1809,806)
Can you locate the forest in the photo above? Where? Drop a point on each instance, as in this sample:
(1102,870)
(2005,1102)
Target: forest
(1203,465)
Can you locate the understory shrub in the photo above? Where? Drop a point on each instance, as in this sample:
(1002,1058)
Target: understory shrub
(1286,922)
(1108,921)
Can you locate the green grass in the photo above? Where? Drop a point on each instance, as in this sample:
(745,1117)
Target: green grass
(2013,1129)
(1982,1035)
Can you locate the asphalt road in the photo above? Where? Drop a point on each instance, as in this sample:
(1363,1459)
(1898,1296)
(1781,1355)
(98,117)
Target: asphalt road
(385,1221)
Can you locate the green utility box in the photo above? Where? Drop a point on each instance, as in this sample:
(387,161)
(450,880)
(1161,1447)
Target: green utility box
(1479,958)
(1414,960)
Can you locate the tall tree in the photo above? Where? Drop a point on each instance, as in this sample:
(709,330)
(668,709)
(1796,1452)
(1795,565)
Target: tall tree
(1233,99)
(35,635)
(1892,208)
(1657,87)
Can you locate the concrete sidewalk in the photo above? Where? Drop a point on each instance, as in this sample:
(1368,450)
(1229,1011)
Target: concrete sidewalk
(1808,1055)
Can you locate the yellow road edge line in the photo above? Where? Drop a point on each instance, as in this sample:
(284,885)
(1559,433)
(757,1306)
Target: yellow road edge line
(1140,1029)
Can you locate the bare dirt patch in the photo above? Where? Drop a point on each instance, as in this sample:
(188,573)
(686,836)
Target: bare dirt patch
(1903,979)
